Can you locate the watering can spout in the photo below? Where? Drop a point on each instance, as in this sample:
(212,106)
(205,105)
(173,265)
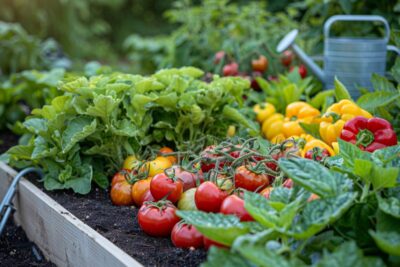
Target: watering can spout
(288,42)
(309,62)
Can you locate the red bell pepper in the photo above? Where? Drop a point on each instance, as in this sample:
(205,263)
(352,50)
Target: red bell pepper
(369,134)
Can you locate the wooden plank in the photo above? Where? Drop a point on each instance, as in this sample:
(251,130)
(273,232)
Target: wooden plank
(64,239)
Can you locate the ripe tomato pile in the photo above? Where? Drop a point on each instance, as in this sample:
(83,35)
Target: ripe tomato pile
(212,181)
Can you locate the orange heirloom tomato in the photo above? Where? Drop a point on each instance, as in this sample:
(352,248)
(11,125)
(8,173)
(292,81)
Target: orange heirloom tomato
(121,190)
(139,189)
(167,150)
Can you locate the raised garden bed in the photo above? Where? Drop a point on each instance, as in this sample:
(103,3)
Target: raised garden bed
(62,237)
(50,219)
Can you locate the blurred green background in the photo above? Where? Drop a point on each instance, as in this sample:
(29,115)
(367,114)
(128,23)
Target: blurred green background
(142,36)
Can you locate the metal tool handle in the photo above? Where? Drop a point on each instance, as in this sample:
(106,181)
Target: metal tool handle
(6,206)
(336,18)
(393,49)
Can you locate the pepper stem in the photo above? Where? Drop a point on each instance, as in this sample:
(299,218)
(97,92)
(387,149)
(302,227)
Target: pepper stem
(365,138)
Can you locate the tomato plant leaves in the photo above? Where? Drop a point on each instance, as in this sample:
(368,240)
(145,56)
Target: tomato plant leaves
(224,258)
(390,206)
(387,241)
(348,255)
(317,214)
(269,214)
(314,177)
(340,91)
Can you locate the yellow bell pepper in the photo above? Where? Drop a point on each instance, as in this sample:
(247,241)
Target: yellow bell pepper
(336,116)
(272,126)
(297,112)
(317,143)
(263,111)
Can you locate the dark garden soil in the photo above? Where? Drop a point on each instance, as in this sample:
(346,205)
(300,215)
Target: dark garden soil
(118,224)
(17,251)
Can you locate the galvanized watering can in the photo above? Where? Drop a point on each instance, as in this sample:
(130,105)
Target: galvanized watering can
(352,60)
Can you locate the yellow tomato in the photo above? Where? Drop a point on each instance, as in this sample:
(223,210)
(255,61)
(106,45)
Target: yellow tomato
(156,166)
(130,162)
(167,150)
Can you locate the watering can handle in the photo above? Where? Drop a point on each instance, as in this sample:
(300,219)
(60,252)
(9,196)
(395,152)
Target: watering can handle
(394,49)
(336,18)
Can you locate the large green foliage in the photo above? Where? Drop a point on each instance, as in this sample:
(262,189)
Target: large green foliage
(354,222)
(24,91)
(87,28)
(85,133)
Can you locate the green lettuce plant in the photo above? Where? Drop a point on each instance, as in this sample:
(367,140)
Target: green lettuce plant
(85,133)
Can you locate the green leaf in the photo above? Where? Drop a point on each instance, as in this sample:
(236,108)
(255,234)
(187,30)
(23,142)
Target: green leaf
(222,228)
(319,213)
(268,215)
(261,255)
(314,177)
(384,177)
(389,242)
(102,107)
(319,100)
(379,177)
(42,149)
(348,255)
(390,206)
(374,100)
(21,151)
(77,129)
(341,91)
(36,125)
(224,258)
(234,115)
(381,83)
(81,183)
(101,180)
(350,152)
(311,129)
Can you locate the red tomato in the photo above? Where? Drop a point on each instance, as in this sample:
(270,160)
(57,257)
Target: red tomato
(139,189)
(209,197)
(219,56)
(235,205)
(303,71)
(186,236)
(157,221)
(208,158)
(147,196)
(260,64)
(287,58)
(231,69)
(209,243)
(121,190)
(244,178)
(187,178)
(162,186)
(288,183)
(266,192)
(317,154)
